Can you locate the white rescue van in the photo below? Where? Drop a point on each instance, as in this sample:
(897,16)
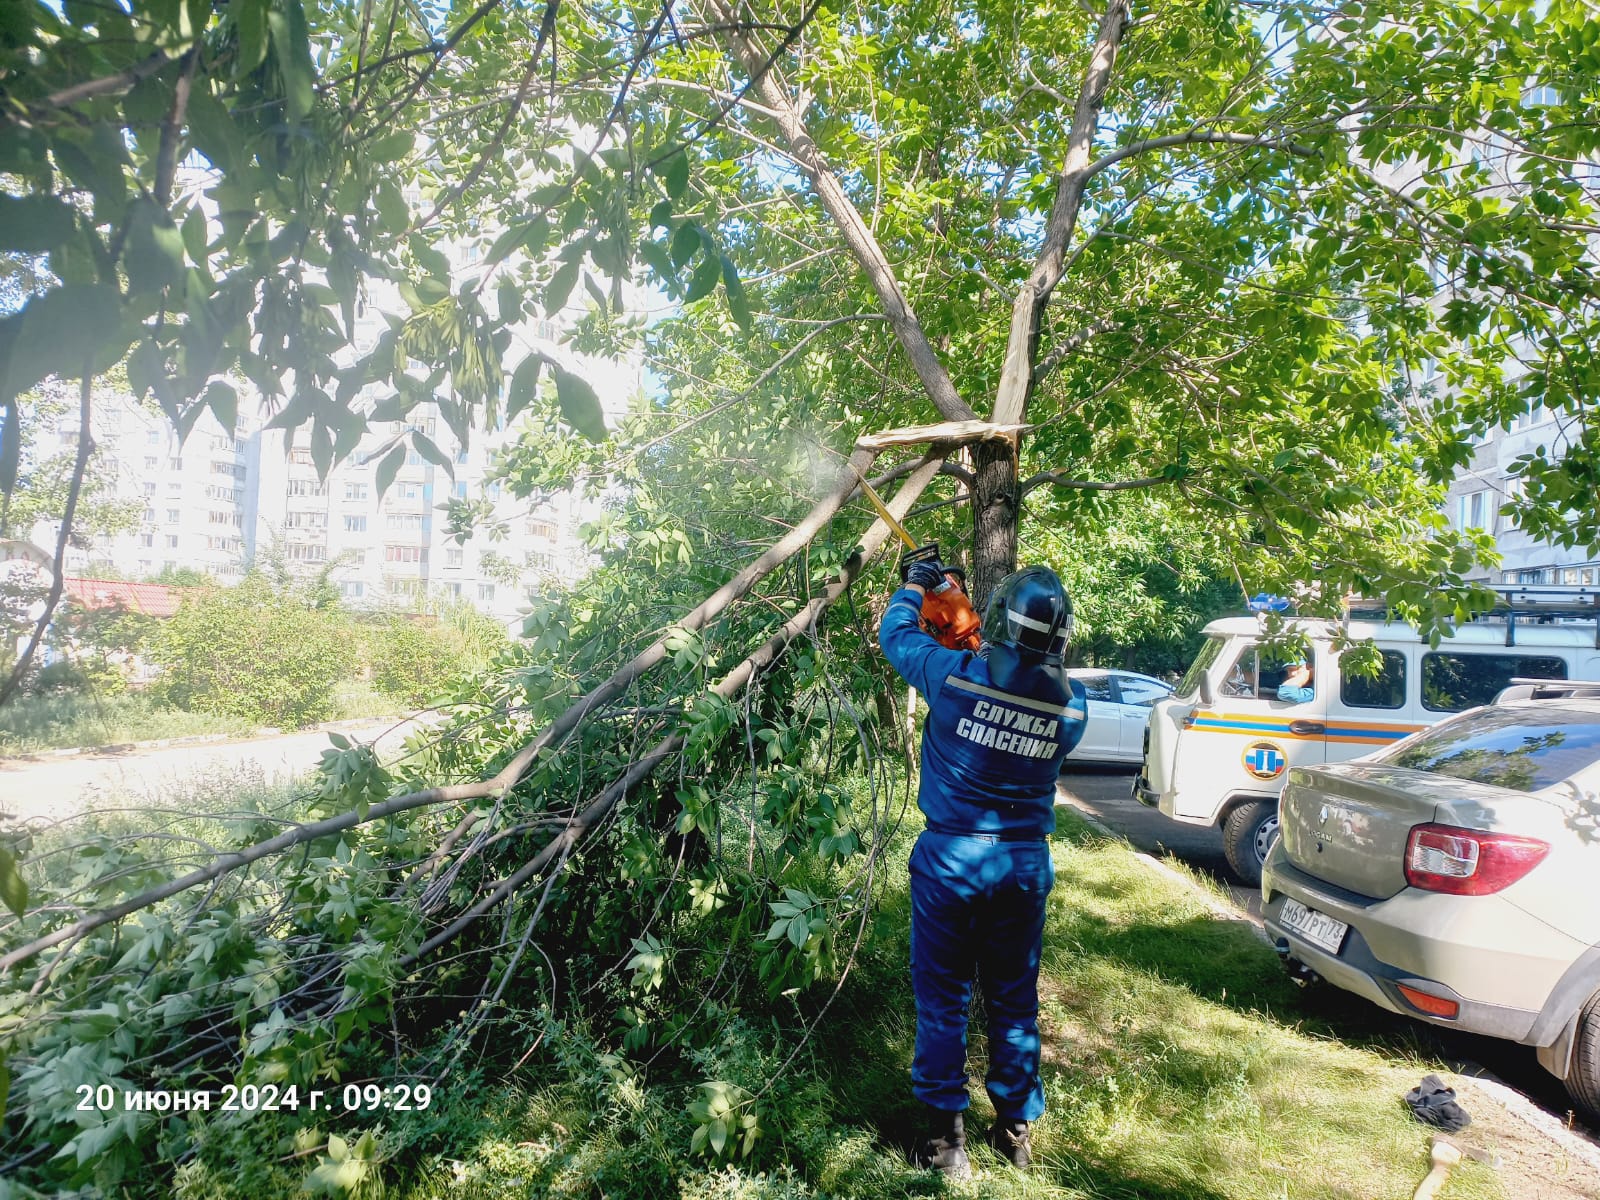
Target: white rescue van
(1219,750)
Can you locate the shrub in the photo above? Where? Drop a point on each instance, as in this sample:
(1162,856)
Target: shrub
(415,660)
(412,661)
(253,652)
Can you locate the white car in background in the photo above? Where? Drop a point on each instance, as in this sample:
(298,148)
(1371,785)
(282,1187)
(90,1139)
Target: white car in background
(1119,709)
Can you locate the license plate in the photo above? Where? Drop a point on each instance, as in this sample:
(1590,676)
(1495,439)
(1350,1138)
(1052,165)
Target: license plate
(1317,928)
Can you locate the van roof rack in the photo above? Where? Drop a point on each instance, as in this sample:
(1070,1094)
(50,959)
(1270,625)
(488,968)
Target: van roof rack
(1548,689)
(1544,604)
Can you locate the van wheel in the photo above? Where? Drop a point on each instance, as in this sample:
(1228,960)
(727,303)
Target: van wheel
(1247,835)
(1583,1081)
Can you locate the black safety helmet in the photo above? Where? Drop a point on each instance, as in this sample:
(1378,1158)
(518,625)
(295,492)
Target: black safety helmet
(1030,613)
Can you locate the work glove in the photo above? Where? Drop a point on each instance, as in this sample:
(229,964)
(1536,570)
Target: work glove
(926,575)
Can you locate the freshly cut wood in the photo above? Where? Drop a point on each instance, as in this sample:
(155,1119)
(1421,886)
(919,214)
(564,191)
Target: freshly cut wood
(943,431)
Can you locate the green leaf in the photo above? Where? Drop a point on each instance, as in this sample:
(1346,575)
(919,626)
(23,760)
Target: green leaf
(580,407)
(510,297)
(389,468)
(661,215)
(524,386)
(250,19)
(685,242)
(393,146)
(432,453)
(287,24)
(799,931)
(718,1136)
(738,305)
(392,208)
(430,260)
(33,224)
(560,287)
(5,1087)
(674,174)
(194,235)
(154,254)
(706,277)
(223,402)
(13,888)
(61,330)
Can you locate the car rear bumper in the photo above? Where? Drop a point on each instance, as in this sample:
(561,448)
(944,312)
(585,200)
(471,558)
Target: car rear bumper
(1396,941)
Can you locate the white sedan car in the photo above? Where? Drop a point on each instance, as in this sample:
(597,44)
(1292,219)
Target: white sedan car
(1119,709)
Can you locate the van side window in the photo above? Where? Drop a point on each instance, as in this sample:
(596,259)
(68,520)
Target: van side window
(1454,682)
(1387,689)
(1253,675)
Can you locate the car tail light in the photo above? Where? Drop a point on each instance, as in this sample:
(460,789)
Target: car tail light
(1436,1006)
(1468,862)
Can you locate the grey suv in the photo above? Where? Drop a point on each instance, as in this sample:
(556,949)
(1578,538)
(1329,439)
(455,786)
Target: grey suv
(1452,876)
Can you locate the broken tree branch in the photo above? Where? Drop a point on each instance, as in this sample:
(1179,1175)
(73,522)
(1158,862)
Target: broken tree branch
(863,244)
(559,848)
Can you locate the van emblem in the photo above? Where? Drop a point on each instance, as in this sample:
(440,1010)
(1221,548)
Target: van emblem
(1264,760)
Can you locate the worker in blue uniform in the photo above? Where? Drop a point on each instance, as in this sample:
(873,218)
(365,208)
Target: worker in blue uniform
(999,724)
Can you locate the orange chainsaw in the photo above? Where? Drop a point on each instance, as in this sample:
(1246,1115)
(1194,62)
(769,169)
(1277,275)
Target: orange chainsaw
(947,614)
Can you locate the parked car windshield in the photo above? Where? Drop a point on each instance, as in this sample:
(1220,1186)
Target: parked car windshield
(1522,748)
(1190,683)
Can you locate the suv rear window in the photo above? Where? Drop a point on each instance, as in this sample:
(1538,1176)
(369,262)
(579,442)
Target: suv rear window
(1456,682)
(1522,748)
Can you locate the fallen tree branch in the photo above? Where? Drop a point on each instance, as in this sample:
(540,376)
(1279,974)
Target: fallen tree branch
(562,845)
(508,776)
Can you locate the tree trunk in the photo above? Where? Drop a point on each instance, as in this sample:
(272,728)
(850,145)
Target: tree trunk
(996,512)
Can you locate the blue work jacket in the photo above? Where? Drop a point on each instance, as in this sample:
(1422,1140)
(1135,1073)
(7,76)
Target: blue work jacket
(990,755)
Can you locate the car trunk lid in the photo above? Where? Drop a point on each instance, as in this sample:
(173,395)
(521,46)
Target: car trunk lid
(1347,824)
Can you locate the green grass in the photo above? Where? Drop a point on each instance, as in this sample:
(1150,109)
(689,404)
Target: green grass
(35,724)
(31,724)
(1178,1064)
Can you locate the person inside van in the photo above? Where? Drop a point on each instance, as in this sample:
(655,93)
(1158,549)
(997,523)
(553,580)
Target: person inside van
(1296,686)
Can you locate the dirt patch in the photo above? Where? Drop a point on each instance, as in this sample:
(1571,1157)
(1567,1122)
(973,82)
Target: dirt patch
(1537,1163)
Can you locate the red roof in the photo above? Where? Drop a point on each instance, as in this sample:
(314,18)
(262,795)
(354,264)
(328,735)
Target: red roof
(151,599)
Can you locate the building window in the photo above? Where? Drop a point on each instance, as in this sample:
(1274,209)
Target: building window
(452,589)
(174,516)
(403,523)
(175,463)
(151,462)
(461,489)
(172,541)
(300,458)
(486,591)
(408,491)
(147,539)
(152,437)
(225,518)
(461,456)
(150,490)
(355,491)
(355,524)
(306,552)
(175,487)
(306,519)
(149,516)
(352,589)
(453,556)
(542,529)
(307,487)
(405,554)
(1471,510)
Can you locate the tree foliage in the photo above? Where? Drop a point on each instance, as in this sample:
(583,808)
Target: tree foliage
(253,652)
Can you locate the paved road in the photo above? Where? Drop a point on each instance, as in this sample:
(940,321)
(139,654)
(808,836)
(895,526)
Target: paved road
(53,788)
(1106,795)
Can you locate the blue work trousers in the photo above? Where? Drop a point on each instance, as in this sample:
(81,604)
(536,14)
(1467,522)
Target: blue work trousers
(978,908)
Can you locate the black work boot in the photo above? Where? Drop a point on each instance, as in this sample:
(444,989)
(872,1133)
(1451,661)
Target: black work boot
(1010,1141)
(945,1149)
